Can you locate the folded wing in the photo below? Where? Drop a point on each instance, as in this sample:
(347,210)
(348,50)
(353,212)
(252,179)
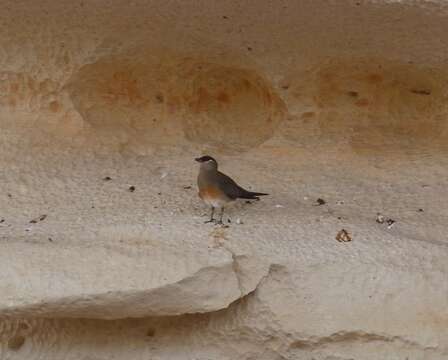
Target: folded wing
(233,190)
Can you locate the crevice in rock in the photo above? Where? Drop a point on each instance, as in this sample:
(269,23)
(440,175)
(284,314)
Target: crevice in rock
(339,337)
(236,270)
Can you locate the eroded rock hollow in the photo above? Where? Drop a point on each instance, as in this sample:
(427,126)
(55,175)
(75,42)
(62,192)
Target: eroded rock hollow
(337,109)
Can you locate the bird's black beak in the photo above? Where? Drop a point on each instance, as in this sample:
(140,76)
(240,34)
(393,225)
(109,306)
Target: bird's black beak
(198,159)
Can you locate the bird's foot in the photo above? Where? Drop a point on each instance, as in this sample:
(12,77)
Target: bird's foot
(210,221)
(220,223)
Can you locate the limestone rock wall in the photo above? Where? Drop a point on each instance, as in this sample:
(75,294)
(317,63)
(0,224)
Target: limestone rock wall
(104,105)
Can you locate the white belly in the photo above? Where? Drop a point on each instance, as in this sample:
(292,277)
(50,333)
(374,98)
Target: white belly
(216,203)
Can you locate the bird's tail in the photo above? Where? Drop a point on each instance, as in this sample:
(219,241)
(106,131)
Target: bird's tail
(251,195)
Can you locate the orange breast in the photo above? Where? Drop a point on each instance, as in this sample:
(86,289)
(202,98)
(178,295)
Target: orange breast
(210,193)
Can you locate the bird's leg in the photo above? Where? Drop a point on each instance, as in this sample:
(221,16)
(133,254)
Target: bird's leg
(220,216)
(211,216)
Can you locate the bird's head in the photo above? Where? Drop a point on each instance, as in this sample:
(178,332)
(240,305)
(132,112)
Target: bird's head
(207,162)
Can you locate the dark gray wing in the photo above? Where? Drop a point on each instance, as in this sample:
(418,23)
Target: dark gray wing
(229,187)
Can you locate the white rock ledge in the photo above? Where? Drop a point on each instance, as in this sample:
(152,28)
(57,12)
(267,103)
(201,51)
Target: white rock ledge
(199,283)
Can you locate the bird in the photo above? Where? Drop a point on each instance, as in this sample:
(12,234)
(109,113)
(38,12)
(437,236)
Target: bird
(217,189)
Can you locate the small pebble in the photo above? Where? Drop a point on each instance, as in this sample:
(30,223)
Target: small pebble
(40,218)
(380,218)
(239,221)
(320,202)
(279,206)
(107,178)
(131,188)
(390,223)
(343,236)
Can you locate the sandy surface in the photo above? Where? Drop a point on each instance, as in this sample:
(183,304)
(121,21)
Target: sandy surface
(340,101)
